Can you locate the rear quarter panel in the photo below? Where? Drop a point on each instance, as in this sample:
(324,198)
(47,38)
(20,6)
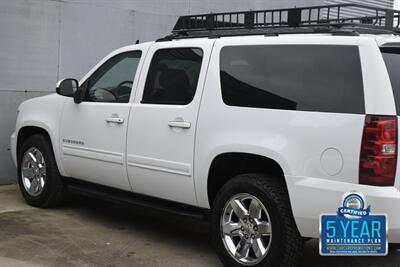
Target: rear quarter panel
(296,140)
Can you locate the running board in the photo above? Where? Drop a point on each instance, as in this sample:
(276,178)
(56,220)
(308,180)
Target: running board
(128,198)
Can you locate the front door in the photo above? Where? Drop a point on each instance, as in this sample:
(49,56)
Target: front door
(162,128)
(93,133)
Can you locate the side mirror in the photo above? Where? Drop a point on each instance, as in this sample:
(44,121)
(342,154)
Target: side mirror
(78,97)
(67,87)
(70,88)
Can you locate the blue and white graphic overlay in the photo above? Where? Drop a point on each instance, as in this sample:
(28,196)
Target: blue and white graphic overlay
(353,230)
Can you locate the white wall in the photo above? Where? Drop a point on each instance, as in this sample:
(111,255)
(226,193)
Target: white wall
(42,41)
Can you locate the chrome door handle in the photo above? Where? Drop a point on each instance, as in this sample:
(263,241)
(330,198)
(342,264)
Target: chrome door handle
(115,120)
(179,124)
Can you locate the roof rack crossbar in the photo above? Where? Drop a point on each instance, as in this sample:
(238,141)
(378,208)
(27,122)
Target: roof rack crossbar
(291,17)
(358,17)
(389,16)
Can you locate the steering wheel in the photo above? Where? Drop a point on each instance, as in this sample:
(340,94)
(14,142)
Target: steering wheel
(123,89)
(102,95)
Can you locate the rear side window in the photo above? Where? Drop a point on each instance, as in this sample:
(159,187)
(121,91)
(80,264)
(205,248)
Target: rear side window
(392,61)
(325,78)
(173,76)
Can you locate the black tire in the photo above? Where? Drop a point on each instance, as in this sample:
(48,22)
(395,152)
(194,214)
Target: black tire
(54,190)
(286,246)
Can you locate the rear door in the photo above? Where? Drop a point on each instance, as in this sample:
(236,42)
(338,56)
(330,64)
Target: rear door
(162,126)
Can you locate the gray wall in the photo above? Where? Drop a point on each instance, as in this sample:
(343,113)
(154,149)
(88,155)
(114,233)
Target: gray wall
(45,40)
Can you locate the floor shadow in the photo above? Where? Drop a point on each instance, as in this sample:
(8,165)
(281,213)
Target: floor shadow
(91,232)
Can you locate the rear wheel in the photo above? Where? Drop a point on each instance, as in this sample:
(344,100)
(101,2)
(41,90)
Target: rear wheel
(39,179)
(253,223)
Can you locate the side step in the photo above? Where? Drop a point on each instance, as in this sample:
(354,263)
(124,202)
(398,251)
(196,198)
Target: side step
(128,198)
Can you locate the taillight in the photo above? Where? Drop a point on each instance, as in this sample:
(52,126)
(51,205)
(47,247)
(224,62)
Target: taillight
(378,155)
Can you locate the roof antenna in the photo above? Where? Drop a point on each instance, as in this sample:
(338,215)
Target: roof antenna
(137,41)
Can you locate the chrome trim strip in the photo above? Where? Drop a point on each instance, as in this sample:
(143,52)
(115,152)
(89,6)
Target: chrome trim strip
(93,154)
(159,165)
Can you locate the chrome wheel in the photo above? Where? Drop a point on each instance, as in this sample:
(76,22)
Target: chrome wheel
(33,171)
(246,229)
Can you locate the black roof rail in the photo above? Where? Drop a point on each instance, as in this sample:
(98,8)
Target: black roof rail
(339,19)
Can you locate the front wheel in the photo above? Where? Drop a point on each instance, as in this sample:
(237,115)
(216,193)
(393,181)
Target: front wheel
(39,179)
(253,223)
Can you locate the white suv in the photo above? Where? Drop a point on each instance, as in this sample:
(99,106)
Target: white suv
(266,125)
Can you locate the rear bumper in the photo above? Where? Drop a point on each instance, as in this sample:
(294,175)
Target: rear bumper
(311,197)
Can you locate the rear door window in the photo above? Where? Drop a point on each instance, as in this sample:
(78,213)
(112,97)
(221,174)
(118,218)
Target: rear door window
(173,76)
(325,78)
(391,57)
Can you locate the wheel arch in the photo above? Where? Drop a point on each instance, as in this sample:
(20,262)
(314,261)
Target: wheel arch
(29,129)
(227,165)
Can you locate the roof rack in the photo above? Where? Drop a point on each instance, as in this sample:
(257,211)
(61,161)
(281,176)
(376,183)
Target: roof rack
(337,19)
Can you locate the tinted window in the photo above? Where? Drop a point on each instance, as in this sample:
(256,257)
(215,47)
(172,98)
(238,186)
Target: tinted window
(113,81)
(293,77)
(392,60)
(173,76)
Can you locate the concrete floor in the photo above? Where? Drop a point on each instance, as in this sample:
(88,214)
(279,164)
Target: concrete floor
(87,232)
